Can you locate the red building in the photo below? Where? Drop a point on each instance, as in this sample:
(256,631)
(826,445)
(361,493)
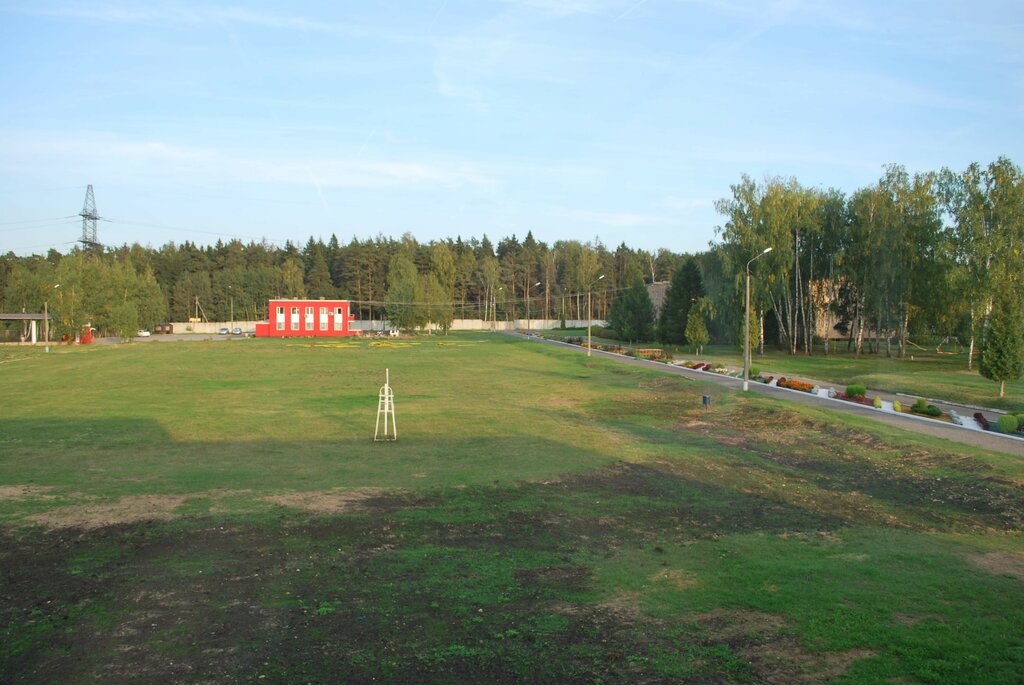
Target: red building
(305,318)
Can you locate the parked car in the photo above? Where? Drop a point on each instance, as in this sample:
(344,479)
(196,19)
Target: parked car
(223,331)
(143,333)
(236,331)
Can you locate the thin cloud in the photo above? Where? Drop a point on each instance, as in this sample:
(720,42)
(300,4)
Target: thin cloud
(201,17)
(632,8)
(614,219)
(562,8)
(157,156)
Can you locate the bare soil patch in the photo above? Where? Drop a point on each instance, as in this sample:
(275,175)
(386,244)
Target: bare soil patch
(786,662)
(128,509)
(8,492)
(675,578)
(1001,563)
(775,656)
(327,501)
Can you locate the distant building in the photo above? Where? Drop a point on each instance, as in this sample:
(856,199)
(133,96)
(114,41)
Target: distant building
(307,318)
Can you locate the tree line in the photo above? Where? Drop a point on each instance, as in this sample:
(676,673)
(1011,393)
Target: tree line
(937,253)
(926,254)
(409,282)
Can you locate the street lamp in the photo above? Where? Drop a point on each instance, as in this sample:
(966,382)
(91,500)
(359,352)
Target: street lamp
(528,302)
(46,316)
(746,327)
(590,316)
(494,307)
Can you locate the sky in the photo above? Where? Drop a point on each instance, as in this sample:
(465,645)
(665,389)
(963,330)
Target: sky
(611,120)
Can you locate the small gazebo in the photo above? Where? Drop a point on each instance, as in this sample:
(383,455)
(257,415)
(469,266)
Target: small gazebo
(32,319)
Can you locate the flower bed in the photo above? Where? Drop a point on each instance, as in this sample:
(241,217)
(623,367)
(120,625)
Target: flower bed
(795,385)
(862,399)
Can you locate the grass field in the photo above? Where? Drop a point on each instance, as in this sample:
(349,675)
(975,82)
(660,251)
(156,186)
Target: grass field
(218,512)
(928,374)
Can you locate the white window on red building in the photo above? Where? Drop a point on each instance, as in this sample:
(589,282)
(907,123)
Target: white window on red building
(339,318)
(323,318)
(280,318)
(309,318)
(295,318)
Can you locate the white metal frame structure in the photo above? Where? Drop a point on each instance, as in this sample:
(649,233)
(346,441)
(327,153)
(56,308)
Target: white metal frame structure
(386,407)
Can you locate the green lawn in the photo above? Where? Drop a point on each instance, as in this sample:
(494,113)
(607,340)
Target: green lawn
(218,512)
(927,374)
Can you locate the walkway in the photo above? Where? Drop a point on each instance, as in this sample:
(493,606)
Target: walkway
(939,429)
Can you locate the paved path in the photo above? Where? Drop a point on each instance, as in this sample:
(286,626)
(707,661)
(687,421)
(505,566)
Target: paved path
(940,429)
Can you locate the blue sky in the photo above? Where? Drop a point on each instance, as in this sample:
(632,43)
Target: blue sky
(622,120)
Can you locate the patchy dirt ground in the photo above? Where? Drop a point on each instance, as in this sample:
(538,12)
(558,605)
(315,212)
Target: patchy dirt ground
(209,604)
(327,501)
(129,509)
(386,588)
(500,584)
(18,492)
(1001,563)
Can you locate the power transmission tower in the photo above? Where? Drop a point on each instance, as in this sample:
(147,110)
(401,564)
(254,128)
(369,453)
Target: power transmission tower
(89,219)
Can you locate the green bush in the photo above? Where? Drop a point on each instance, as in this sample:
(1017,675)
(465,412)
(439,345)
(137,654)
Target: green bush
(1007,423)
(927,409)
(877,403)
(754,372)
(1020,421)
(897,406)
(856,390)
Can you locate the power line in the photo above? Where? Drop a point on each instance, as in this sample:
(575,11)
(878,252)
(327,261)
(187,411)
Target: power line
(38,227)
(500,303)
(37,221)
(127,222)
(33,247)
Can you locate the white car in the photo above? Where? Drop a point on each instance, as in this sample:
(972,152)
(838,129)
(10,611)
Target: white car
(143,334)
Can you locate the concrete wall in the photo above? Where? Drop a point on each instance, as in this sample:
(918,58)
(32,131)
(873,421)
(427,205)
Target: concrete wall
(213,326)
(457,325)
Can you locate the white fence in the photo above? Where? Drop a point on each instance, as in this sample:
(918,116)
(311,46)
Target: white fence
(368,326)
(213,326)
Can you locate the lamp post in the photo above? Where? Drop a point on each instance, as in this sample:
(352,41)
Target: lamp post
(494,308)
(590,316)
(231,291)
(746,326)
(528,302)
(46,316)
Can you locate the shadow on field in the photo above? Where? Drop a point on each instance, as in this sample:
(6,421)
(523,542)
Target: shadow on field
(89,433)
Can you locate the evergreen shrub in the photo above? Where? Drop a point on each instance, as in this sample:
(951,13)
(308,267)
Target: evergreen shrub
(1007,423)
(856,390)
